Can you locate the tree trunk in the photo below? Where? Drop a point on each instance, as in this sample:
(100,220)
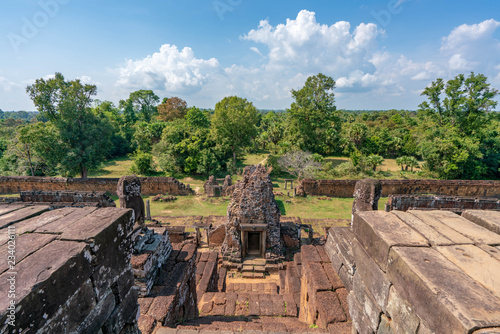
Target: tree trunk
(29,160)
(234,158)
(83,172)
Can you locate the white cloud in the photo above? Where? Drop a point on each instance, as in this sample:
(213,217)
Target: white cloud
(7,85)
(463,36)
(257,51)
(305,45)
(168,70)
(367,76)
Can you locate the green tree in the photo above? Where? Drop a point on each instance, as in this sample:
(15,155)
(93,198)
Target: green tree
(373,161)
(234,124)
(314,122)
(459,135)
(144,102)
(66,104)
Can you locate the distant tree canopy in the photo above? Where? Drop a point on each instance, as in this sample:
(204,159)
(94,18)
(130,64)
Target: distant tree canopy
(314,121)
(455,133)
(172,108)
(85,136)
(234,124)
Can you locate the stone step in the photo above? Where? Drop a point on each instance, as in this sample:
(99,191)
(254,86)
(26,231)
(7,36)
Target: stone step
(247,268)
(255,262)
(259,269)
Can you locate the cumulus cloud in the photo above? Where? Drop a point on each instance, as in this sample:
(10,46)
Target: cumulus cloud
(305,45)
(366,74)
(168,70)
(472,47)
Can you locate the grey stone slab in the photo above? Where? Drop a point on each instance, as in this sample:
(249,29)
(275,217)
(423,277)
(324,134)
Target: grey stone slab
(434,237)
(22,214)
(45,279)
(374,279)
(443,229)
(476,263)
(440,292)
(378,231)
(67,217)
(487,219)
(25,245)
(473,231)
(404,319)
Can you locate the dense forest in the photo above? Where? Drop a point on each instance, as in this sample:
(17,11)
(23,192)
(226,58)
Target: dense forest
(453,134)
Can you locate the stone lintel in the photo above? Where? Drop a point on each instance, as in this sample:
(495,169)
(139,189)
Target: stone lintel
(253,227)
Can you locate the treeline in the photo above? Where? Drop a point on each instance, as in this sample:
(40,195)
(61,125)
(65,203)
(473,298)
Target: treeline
(453,134)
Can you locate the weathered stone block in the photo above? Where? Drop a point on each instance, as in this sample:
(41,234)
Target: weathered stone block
(441,293)
(329,309)
(386,326)
(474,232)
(359,319)
(309,254)
(404,319)
(476,263)
(43,284)
(487,219)
(373,278)
(366,195)
(370,307)
(430,233)
(378,231)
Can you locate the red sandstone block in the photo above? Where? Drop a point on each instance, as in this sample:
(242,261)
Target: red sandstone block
(329,309)
(332,276)
(342,295)
(160,307)
(213,256)
(146,324)
(322,254)
(204,257)
(144,304)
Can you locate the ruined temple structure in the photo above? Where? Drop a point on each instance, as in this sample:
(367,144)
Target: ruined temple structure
(253,222)
(213,188)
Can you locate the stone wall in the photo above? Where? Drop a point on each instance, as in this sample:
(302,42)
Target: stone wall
(454,204)
(72,270)
(345,188)
(424,272)
(71,198)
(150,185)
(173,296)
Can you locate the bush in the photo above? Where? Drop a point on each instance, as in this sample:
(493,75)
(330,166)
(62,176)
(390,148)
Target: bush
(143,164)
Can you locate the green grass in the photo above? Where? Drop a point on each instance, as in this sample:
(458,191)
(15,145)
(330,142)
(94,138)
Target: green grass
(115,168)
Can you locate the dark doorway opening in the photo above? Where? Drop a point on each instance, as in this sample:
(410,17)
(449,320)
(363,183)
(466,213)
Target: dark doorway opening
(254,243)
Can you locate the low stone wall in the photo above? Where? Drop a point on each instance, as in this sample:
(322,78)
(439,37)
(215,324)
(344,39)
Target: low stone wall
(424,272)
(345,188)
(454,204)
(97,198)
(72,270)
(150,185)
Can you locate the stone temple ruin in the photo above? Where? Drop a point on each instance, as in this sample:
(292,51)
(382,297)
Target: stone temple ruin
(253,219)
(428,264)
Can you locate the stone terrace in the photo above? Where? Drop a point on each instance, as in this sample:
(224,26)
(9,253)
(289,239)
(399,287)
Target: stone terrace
(421,271)
(72,263)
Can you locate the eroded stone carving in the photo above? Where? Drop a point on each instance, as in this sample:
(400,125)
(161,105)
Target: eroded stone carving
(129,193)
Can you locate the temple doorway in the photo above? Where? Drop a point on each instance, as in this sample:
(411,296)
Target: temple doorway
(254,243)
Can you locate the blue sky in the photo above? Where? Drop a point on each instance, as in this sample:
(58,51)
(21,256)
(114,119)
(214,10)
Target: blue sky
(382,54)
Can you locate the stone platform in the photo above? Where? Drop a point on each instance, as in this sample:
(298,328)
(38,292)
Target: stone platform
(424,271)
(72,272)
